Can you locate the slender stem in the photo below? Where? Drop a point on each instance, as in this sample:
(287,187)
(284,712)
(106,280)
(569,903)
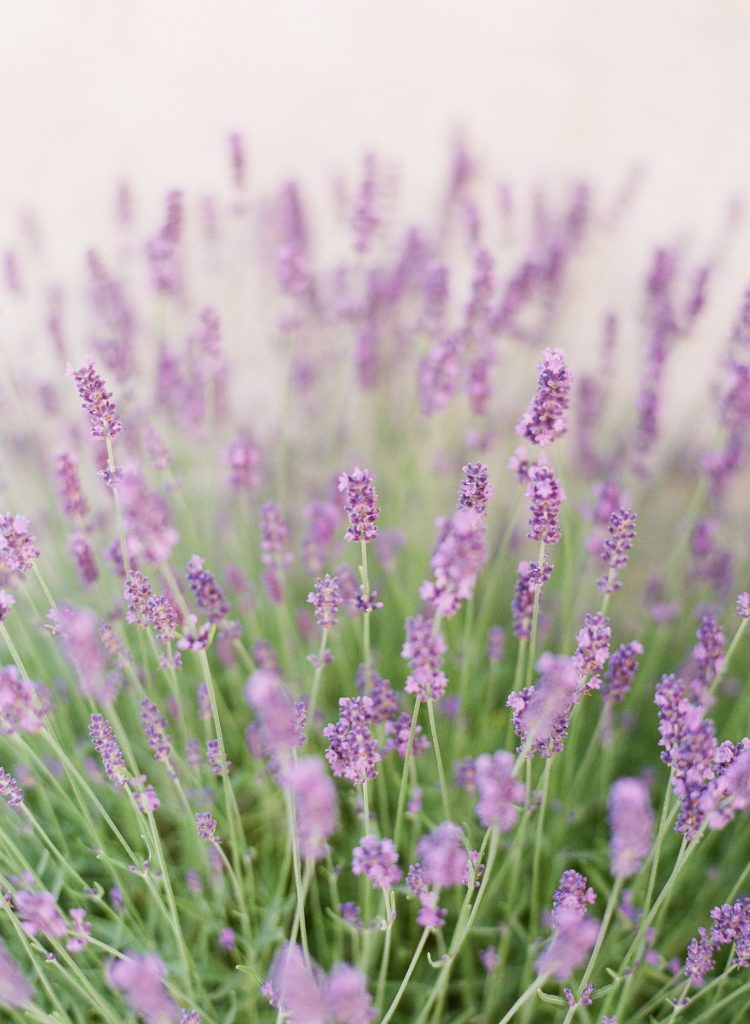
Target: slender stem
(439,759)
(364,574)
(405,980)
(383,972)
(405,773)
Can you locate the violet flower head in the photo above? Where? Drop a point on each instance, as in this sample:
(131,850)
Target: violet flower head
(621,669)
(631,821)
(10,791)
(6,603)
(346,998)
(495,643)
(15,991)
(268,697)
(274,538)
(18,548)
(743,605)
(326,598)
(572,941)
(397,730)
(163,249)
(69,486)
(97,401)
(316,809)
(700,958)
(457,559)
(443,856)
(708,655)
(205,826)
(499,792)
(615,548)
(378,860)
(531,577)
(40,914)
(22,703)
(545,501)
(320,536)
(424,648)
(352,752)
(83,554)
(546,417)
(208,594)
(158,738)
(141,978)
(108,749)
(244,459)
(592,652)
(541,713)
(384,697)
(439,373)
(475,490)
(361,504)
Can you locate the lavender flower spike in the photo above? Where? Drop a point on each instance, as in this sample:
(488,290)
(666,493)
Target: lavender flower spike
(352,751)
(615,548)
(97,401)
(108,749)
(361,504)
(475,490)
(545,419)
(631,821)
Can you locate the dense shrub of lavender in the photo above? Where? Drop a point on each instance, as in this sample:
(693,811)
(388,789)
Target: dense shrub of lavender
(410,688)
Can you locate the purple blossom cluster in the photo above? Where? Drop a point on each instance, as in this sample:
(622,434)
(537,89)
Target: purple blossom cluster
(574,932)
(731,926)
(352,750)
(424,648)
(18,548)
(541,713)
(545,501)
(475,490)
(305,994)
(616,547)
(377,859)
(546,417)
(326,600)
(96,399)
(457,559)
(361,504)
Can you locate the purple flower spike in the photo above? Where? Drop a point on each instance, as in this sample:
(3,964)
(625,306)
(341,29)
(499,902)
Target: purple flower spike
(541,713)
(18,548)
(631,820)
(361,504)
(208,595)
(6,603)
(475,490)
(15,991)
(443,856)
(378,860)
(424,648)
(743,605)
(593,651)
(545,501)
(457,559)
(499,792)
(205,826)
(326,597)
(545,419)
(10,790)
(316,810)
(352,751)
(141,977)
(615,548)
(97,401)
(531,577)
(623,665)
(40,913)
(574,933)
(108,749)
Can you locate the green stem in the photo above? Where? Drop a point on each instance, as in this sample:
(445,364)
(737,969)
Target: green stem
(407,976)
(439,759)
(612,902)
(405,773)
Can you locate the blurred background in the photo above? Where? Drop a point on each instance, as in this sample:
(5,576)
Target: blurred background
(645,97)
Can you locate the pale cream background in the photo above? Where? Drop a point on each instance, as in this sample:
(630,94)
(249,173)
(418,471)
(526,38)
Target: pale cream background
(94,89)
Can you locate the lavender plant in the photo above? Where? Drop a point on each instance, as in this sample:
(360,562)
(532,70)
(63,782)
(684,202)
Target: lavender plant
(285,739)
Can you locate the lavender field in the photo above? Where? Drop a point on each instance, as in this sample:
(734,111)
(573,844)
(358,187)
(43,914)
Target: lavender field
(370,650)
